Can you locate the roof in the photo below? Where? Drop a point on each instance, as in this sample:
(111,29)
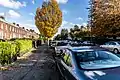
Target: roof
(11,24)
(3,20)
(8,22)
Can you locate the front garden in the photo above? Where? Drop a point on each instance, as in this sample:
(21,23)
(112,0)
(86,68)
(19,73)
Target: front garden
(10,50)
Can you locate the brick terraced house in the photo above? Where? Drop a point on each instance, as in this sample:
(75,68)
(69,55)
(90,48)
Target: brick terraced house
(9,31)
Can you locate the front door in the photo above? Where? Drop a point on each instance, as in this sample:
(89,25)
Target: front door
(67,66)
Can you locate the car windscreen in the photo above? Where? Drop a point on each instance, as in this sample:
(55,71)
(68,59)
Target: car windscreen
(62,44)
(97,60)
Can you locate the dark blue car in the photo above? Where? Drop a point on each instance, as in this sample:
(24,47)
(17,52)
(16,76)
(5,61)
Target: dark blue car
(87,63)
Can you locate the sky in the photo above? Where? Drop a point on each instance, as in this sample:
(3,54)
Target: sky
(23,12)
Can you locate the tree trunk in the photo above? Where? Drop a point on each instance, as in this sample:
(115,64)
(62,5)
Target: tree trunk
(48,41)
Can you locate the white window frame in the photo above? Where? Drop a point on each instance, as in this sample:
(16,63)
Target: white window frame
(2,25)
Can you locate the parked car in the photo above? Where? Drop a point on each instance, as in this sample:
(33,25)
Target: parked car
(84,43)
(75,43)
(88,63)
(52,44)
(89,43)
(112,46)
(61,45)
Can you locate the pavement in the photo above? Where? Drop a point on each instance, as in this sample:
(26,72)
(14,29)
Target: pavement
(37,66)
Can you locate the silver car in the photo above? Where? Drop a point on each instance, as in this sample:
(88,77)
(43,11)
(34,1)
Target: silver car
(61,45)
(112,46)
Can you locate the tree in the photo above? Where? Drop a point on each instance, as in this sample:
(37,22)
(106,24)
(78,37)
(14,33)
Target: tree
(71,33)
(105,17)
(64,34)
(76,27)
(77,32)
(58,37)
(49,18)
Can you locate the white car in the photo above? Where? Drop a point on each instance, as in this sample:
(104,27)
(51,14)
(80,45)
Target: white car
(60,46)
(112,46)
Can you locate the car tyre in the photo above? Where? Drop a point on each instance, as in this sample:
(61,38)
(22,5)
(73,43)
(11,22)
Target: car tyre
(116,51)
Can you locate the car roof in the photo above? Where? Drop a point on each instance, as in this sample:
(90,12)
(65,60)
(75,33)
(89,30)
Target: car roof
(114,41)
(85,48)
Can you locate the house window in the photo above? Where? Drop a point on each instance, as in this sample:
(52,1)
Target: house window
(1,25)
(13,29)
(16,30)
(10,28)
(1,34)
(10,36)
(14,35)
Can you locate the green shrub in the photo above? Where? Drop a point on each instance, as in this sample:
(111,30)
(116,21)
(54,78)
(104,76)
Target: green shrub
(5,53)
(23,45)
(10,50)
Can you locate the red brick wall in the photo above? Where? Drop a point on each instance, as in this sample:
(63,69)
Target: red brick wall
(9,30)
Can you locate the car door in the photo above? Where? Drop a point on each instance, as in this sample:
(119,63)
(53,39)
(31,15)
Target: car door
(112,46)
(67,66)
(106,45)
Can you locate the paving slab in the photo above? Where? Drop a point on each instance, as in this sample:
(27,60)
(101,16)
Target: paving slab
(38,66)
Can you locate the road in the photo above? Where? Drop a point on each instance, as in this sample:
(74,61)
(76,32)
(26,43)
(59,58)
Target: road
(38,66)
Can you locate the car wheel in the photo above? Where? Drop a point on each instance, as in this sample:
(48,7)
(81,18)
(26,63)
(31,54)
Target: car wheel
(116,51)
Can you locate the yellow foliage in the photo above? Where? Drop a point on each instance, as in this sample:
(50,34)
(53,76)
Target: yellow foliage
(49,18)
(105,18)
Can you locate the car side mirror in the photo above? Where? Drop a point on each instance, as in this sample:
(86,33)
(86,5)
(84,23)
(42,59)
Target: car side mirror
(61,53)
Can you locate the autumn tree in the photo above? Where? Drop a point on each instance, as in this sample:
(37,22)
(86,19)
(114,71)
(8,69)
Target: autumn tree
(105,17)
(48,18)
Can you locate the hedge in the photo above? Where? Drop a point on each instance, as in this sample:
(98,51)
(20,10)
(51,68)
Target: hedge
(10,50)
(23,46)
